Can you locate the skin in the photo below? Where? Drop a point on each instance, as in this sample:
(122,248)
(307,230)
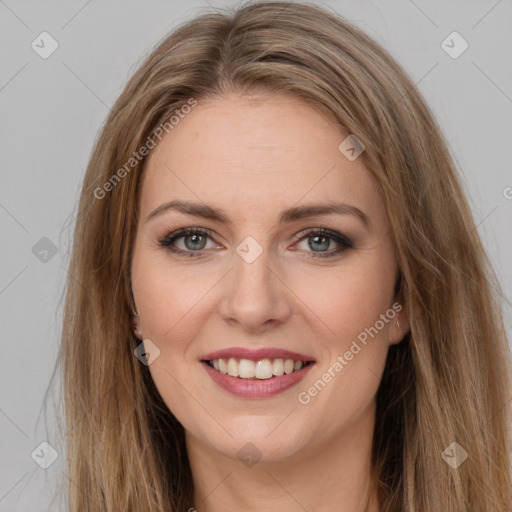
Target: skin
(254,157)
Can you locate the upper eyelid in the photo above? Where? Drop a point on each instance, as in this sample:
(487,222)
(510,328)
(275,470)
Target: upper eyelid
(182,232)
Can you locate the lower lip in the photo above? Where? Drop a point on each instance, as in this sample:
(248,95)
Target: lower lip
(256,388)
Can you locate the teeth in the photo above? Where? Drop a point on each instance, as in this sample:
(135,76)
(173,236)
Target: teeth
(278,367)
(288,366)
(232,367)
(223,366)
(246,369)
(262,369)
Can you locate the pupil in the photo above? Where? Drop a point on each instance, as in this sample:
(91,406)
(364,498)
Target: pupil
(193,245)
(324,238)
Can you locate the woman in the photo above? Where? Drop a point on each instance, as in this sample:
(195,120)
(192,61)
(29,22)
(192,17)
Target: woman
(278,297)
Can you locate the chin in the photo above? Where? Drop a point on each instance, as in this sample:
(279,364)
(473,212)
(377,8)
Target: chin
(250,451)
(255,437)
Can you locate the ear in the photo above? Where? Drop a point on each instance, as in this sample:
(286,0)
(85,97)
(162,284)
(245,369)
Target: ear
(399,325)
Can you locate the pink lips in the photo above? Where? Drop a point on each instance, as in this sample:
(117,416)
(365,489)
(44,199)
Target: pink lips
(256,388)
(255,354)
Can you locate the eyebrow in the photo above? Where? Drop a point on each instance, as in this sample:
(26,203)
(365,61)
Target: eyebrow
(289,215)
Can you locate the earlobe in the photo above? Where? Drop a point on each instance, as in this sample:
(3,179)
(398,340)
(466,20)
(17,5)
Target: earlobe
(399,328)
(137,331)
(136,326)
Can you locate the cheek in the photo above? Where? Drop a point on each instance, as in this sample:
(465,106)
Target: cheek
(169,302)
(349,299)
(167,299)
(175,303)
(353,359)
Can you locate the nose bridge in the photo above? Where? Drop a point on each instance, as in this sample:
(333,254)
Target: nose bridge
(255,294)
(252,265)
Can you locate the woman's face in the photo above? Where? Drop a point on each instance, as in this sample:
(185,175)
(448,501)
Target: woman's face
(260,283)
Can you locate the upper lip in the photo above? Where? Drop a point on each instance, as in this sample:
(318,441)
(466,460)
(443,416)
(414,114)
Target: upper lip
(255,354)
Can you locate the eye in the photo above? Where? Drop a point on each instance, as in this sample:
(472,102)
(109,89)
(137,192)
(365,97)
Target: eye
(194,240)
(318,241)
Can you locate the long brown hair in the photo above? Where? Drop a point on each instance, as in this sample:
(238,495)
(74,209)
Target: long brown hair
(448,381)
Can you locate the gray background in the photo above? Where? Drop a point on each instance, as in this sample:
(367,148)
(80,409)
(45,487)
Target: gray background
(51,112)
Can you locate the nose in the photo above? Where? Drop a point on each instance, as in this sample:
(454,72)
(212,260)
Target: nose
(255,297)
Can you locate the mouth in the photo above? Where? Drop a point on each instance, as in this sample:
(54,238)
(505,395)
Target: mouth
(261,373)
(262,369)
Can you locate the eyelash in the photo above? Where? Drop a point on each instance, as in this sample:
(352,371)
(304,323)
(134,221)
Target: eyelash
(342,240)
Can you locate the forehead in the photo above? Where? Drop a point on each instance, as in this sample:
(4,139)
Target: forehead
(253,156)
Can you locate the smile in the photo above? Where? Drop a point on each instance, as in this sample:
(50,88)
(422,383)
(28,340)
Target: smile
(256,373)
(262,369)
